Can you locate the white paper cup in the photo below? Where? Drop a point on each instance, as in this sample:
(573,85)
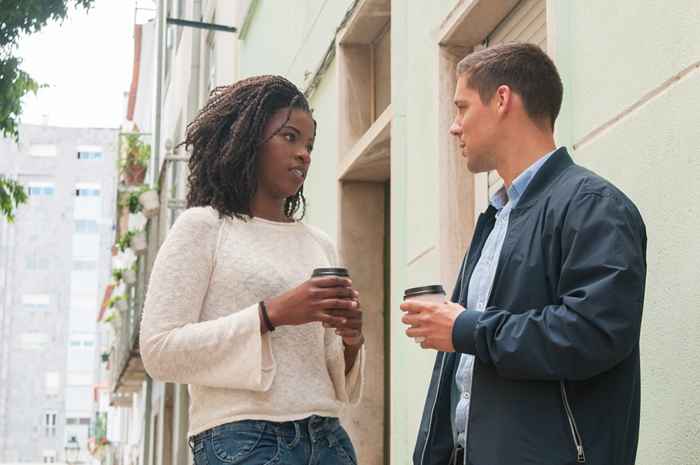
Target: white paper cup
(434,293)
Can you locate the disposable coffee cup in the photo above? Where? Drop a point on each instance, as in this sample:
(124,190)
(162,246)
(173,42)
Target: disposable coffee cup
(337,271)
(433,294)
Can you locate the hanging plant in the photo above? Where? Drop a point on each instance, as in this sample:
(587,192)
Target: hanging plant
(135,161)
(124,242)
(118,275)
(149,202)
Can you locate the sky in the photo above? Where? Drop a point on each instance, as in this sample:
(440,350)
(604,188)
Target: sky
(86,62)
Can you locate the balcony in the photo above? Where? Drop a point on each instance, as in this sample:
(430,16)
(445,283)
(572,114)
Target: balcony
(127,372)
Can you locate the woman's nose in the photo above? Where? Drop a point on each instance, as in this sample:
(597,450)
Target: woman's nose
(304,156)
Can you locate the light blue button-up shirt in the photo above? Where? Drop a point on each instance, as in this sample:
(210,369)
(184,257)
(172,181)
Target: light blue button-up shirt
(480,286)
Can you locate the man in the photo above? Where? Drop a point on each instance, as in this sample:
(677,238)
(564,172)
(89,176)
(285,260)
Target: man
(538,358)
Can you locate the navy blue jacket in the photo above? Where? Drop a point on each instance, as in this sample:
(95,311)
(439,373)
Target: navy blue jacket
(556,376)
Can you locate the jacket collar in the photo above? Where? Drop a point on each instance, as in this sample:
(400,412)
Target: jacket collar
(559,162)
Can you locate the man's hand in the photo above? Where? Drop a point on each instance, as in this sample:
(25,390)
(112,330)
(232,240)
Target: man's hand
(431,321)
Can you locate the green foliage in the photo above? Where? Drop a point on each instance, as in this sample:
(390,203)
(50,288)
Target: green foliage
(12,195)
(118,274)
(113,302)
(137,151)
(124,242)
(131,199)
(22,17)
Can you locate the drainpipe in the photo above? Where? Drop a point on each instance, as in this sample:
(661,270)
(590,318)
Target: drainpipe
(158,104)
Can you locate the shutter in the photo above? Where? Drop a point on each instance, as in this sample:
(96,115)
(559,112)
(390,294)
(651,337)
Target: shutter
(526,23)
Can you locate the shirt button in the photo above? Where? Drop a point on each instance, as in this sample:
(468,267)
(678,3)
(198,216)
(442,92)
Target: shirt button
(466,395)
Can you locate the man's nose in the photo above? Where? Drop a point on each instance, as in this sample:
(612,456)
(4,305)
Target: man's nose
(456,128)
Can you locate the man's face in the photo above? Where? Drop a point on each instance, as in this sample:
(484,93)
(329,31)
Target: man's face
(475,125)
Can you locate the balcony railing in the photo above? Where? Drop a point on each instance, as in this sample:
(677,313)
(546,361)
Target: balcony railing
(127,369)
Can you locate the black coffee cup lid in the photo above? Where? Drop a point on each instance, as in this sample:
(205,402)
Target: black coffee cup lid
(343,272)
(423,290)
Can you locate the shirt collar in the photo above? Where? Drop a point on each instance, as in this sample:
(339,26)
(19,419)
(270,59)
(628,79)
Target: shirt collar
(502,197)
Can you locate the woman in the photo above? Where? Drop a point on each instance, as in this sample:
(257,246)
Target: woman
(270,355)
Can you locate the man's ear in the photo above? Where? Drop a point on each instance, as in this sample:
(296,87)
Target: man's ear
(503,98)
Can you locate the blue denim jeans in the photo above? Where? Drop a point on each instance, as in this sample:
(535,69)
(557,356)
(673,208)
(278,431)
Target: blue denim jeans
(311,441)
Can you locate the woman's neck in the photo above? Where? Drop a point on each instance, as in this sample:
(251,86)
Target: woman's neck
(269,209)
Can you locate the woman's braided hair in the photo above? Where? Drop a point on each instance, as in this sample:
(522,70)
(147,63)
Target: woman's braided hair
(224,139)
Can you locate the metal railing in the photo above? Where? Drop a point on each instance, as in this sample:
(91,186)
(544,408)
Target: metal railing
(125,347)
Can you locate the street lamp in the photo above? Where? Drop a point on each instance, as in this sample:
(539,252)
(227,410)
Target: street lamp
(72,451)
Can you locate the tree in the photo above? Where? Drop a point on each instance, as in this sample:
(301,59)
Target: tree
(19,17)
(22,17)
(11,196)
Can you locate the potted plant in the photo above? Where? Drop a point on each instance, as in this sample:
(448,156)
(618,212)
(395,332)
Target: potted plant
(135,161)
(150,203)
(118,275)
(138,243)
(130,276)
(124,242)
(130,200)
(119,302)
(134,240)
(127,275)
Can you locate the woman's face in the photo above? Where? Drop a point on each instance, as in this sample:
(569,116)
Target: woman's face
(284,159)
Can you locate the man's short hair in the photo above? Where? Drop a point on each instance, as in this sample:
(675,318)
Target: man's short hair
(525,68)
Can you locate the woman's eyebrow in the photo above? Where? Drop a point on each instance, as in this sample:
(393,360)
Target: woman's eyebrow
(288,126)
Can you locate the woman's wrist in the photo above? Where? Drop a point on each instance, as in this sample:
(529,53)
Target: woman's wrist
(355,343)
(273,312)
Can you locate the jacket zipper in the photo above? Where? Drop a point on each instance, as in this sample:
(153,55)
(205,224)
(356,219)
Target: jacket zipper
(432,412)
(578,442)
(469,417)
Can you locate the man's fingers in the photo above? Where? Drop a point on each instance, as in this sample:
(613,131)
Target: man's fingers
(413,306)
(416,332)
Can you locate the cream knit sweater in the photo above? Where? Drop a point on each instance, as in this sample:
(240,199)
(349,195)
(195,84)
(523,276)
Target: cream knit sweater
(201,326)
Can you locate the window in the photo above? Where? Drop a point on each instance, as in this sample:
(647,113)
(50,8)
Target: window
(77,421)
(36,262)
(36,302)
(86,226)
(40,189)
(33,341)
(82,341)
(84,264)
(43,151)
(53,383)
(87,192)
(211,61)
(50,424)
(49,456)
(89,155)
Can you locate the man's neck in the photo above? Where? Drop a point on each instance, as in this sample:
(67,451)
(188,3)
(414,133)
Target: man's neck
(519,156)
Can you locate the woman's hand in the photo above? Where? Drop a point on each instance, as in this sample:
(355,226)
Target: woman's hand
(330,300)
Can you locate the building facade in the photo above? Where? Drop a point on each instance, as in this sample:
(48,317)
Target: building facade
(388,184)
(54,260)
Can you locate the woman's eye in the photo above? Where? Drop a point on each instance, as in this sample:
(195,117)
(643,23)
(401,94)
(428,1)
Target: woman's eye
(310,148)
(290,137)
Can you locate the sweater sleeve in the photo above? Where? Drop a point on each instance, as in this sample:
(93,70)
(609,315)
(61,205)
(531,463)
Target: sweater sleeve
(228,352)
(348,387)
